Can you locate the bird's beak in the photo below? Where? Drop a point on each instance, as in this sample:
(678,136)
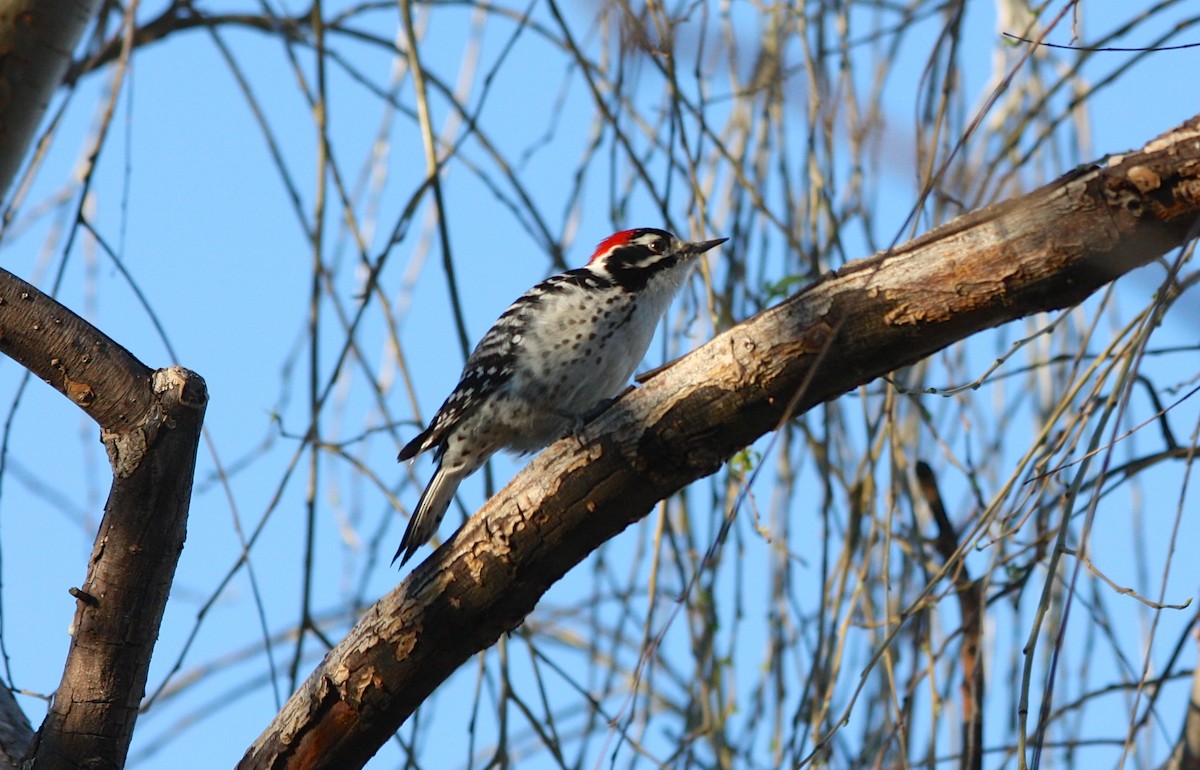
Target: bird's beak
(698,248)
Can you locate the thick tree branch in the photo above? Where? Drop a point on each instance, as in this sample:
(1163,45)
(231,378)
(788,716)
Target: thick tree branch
(72,356)
(15,730)
(36,38)
(120,606)
(1047,250)
(150,424)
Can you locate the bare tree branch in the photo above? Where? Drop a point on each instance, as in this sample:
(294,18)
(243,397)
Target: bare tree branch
(1043,251)
(72,356)
(150,425)
(971,607)
(37,37)
(15,730)
(1186,755)
(120,606)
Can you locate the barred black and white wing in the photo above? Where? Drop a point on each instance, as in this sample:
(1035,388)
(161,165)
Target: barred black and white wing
(466,430)
(491,366)
(565,346)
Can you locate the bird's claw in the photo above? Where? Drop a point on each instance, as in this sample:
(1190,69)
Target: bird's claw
(577,428)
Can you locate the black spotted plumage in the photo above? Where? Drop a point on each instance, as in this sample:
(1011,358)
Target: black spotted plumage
(568,344)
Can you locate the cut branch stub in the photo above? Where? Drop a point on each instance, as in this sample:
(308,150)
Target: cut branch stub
(150,424)
(120,605)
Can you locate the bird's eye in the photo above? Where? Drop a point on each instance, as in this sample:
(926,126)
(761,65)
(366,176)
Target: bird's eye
(657,245)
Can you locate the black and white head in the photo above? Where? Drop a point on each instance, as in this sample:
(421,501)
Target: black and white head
(631,258)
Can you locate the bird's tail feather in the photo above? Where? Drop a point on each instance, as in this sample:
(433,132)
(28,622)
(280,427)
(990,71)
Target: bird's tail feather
(430,510)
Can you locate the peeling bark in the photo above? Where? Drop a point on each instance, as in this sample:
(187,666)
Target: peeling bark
(1046,250)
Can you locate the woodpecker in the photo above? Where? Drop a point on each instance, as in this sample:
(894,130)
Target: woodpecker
(556,354)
